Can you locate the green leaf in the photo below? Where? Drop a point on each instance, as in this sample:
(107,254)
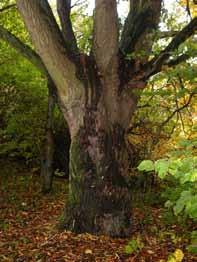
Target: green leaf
(168,204)
(128,249)
(131,247)
(189,177)
(182,201)
(146,165)
(194,236)
(162,167)
(185,143)
(192,210)
(192,249)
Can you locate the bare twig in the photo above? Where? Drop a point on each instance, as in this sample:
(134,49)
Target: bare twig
(77,3)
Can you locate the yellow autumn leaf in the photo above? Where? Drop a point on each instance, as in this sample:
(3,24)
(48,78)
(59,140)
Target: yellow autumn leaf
(192,6)
(177,256)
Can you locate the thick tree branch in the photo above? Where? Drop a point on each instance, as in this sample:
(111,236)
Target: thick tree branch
(105,51)
(133,27)
(166,34)
(22,48)
(142,20)
(63,9)
(155,65)
(105,45)
(48,39)
(50,45)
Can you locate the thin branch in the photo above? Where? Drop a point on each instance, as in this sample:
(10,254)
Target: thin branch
(147,104)
(176,111)
(155,65)
(179,114)
(188,8)
(180,59)
(7,7)
(64,9)
(183,87)
(77,3)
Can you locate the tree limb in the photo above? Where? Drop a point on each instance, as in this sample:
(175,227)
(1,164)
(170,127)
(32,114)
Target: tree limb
(57,58)
(176,111)
(27,52)
(22,48)
(142,20)
(63,9)
(155,65)
(7,7)
(166,34)
(105,44)
(48,40)
(77,3)
(177,60)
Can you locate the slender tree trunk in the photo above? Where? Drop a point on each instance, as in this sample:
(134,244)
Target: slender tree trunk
(62,148)
(47,156)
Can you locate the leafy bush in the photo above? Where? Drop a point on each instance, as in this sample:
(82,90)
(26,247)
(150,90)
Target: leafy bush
(180,172)
(23,100)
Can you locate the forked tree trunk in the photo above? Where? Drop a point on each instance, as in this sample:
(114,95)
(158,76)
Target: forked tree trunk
(97,108)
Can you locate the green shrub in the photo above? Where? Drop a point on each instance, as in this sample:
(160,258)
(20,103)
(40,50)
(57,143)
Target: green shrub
(180,172)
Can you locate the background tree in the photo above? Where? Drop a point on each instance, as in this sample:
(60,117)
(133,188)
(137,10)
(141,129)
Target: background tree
(29,141)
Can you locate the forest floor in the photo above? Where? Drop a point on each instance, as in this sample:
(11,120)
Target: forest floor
(28,228)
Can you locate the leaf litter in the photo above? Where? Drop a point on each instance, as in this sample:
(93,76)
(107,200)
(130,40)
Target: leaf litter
(28,230)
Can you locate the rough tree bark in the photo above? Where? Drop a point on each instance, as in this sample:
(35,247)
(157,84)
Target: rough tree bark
(97,99)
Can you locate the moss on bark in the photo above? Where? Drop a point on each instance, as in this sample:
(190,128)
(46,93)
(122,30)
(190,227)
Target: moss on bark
(99,200)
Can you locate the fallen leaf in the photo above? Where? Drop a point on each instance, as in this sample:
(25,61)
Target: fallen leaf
(88,251)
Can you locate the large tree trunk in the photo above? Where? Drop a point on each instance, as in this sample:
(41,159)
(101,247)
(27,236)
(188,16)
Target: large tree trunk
(99,200)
